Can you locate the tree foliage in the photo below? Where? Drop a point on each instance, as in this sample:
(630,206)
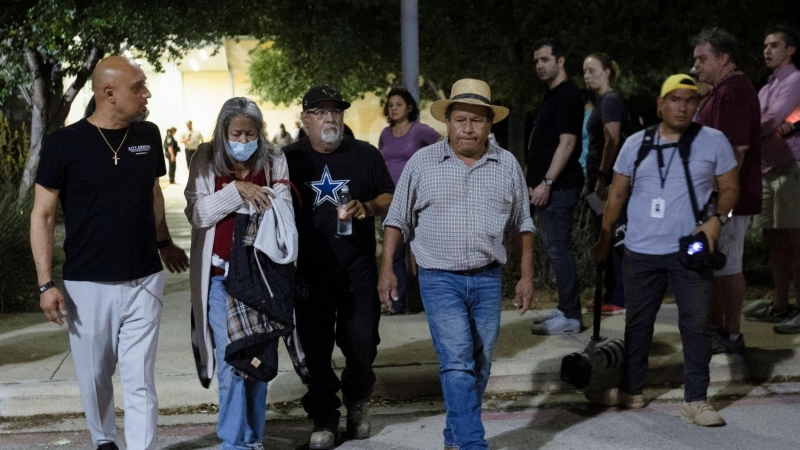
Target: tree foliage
(350,44)
(357,42)
(45,42)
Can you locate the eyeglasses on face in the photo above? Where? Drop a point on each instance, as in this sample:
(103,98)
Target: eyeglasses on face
(320,114)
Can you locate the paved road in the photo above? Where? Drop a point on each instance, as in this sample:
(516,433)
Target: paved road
(753,423)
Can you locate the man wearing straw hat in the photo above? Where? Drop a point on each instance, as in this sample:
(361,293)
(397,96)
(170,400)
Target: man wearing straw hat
(457,201)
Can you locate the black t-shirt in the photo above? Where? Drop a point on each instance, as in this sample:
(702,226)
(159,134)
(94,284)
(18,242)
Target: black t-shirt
(561,113)
(319,177)
(108,209)
(609,108)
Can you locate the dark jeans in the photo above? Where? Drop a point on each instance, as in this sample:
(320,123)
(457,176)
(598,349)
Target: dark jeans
(401,270)
(555,222)
(189,154)
(341,308)
(171,169)
(646,279)
(614,286)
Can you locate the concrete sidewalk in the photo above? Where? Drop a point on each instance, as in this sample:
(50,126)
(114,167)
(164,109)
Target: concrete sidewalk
(37,374)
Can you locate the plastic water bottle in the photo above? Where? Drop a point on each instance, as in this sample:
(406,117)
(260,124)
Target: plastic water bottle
(345,226)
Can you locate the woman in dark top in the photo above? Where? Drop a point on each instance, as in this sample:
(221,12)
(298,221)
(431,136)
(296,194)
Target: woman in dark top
(605,128)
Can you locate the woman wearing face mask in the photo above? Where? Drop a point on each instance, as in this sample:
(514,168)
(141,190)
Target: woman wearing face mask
(226,175)
(397,143)
(605,128)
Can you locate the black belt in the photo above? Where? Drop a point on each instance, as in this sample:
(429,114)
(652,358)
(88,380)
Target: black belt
(489,266)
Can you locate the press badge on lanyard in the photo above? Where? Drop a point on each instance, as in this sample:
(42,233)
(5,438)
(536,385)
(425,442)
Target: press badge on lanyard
(657,208)
(658,205)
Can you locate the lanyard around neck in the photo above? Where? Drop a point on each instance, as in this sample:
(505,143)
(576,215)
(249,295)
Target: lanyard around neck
(663,173)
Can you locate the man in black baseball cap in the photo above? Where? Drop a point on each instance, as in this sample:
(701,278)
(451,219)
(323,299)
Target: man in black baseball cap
(342,306)
(323,93)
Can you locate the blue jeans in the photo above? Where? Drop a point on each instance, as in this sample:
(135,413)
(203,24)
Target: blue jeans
(646,280)
(555,222)
(242,404)
(464,317)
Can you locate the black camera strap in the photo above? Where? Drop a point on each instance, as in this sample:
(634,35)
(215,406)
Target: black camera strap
(684,145)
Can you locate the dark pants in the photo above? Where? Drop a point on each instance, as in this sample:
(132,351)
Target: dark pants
(614,286)
(189,154)
(172,165)
(343,309)
(646,279)
(555,222)
(401,269)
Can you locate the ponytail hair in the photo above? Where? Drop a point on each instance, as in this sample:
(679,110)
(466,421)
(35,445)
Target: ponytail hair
(607,63)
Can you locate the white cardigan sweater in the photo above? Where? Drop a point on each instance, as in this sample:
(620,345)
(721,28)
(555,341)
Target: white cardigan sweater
(205,208)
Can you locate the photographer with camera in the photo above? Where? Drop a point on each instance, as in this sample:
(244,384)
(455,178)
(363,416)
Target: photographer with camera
(668,173)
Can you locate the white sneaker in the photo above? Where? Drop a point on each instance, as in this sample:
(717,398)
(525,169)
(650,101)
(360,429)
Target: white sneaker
(702,414)
(548,316)
(556,323)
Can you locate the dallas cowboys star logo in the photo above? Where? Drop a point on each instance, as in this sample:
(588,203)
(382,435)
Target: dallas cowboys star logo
(326,189)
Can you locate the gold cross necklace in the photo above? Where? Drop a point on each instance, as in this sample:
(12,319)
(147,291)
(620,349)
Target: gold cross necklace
(116,158)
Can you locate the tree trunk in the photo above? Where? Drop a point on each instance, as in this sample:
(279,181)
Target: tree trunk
(40,109)
(516,129)
(50,104)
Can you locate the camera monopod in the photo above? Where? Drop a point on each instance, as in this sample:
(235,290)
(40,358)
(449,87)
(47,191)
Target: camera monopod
(577,368)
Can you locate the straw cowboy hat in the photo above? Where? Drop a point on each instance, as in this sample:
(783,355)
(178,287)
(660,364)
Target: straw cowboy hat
(470,91)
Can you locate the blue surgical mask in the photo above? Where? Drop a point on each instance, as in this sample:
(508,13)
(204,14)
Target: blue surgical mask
(242,152)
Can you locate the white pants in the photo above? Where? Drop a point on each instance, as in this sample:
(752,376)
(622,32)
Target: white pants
(110,323)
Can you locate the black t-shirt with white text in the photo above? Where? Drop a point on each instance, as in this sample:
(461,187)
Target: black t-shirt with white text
(561,113)
(319,177)
(108,209)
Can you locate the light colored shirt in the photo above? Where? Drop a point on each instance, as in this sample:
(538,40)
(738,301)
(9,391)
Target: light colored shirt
(711,156)
(195,139)
(780,102)
(457,216)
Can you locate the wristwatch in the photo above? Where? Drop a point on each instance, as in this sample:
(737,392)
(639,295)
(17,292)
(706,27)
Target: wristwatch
(548,181)
(723,218)
(165,243)
(46,286)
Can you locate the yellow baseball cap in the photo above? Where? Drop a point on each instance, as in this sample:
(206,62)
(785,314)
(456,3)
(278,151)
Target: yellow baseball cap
(679,81)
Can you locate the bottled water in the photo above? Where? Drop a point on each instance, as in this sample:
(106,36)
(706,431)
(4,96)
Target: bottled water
(345,226)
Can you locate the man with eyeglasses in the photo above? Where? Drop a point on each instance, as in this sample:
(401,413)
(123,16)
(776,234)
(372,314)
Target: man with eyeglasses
(340,304)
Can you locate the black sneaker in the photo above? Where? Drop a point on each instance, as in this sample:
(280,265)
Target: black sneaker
(721,344)
(765,312)
(108,446)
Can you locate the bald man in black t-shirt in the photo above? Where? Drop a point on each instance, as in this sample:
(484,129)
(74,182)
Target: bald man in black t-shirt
(104,170)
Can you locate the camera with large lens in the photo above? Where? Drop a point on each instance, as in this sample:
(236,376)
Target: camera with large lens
(577,368)
(695,253)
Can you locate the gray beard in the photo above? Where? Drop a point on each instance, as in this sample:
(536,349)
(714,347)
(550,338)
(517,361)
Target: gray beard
(330,135)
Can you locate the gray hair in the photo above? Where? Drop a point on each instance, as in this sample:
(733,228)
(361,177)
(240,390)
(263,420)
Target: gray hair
(235,107)
(721,41)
